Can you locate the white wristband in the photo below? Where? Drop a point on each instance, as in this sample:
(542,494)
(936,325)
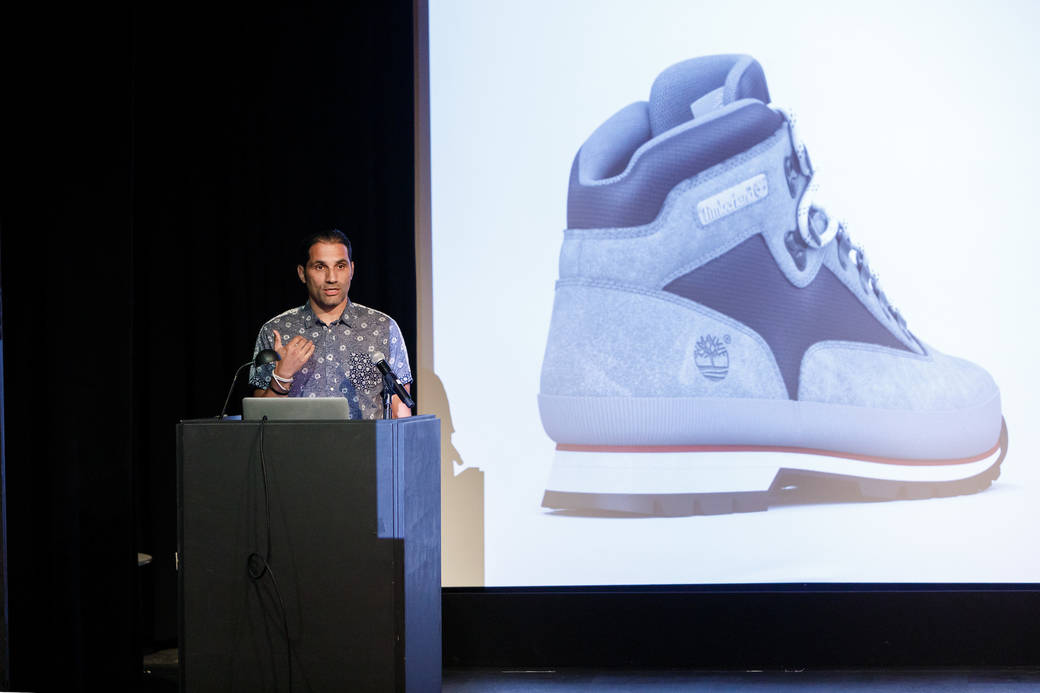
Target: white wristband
(283,381)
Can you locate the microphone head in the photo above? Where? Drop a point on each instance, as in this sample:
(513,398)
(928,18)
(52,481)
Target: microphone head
(266,356)
(378,356)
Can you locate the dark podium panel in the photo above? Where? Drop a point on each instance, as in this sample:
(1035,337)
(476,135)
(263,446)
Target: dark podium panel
(351,515)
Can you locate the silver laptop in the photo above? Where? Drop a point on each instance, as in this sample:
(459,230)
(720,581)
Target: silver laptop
(295,408)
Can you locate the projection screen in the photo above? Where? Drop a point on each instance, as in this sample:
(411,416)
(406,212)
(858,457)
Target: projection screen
(731,292)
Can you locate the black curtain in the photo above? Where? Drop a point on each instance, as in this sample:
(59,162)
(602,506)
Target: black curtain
(157,175)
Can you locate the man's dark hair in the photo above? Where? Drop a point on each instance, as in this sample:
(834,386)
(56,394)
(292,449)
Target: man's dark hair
(330,236)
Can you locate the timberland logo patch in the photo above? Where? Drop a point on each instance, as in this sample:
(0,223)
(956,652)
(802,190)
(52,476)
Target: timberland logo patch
(712,357)
(732,199)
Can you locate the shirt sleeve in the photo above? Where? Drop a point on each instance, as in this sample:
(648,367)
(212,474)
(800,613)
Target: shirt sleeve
(399,354)
(260,377)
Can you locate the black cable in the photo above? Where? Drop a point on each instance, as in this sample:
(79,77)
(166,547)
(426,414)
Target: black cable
(258,565)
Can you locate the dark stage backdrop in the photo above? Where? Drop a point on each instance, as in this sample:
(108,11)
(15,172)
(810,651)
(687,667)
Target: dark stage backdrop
(252,130)
(157,174)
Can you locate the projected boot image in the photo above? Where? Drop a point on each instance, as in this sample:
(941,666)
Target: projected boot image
(719,343)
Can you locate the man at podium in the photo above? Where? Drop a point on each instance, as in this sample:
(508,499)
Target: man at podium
(326,346)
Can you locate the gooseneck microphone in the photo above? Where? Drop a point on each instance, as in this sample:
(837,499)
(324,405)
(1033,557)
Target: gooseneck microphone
(263,357)
(391,379)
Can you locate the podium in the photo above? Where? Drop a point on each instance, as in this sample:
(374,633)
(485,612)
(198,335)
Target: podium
(346,515)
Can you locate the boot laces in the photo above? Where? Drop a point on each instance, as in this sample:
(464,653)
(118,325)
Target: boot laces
(817,229)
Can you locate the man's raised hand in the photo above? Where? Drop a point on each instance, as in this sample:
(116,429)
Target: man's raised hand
(292,355)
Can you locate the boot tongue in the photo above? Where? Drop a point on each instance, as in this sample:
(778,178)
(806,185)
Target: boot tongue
(693,88)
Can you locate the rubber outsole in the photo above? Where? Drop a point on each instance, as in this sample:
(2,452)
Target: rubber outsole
(790,486)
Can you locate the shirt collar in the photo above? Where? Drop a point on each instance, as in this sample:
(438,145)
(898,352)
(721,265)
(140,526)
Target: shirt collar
(347,317)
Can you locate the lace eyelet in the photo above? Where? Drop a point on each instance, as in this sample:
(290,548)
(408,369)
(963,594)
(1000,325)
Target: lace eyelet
(883,300)
(791,176)
(865,277)
(842,248)
(801,152)
(796,249)
(808,225)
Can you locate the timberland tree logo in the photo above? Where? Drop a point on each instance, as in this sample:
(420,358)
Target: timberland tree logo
(732,199)
(711,356)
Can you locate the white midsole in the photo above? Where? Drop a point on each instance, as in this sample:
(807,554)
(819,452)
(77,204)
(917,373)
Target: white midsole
(888,433)
(727,472)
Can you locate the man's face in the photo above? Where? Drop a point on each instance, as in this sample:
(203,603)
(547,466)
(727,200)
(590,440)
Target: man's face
(327,275)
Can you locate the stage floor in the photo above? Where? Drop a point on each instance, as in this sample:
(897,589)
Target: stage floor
(161,676)
(574,680)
